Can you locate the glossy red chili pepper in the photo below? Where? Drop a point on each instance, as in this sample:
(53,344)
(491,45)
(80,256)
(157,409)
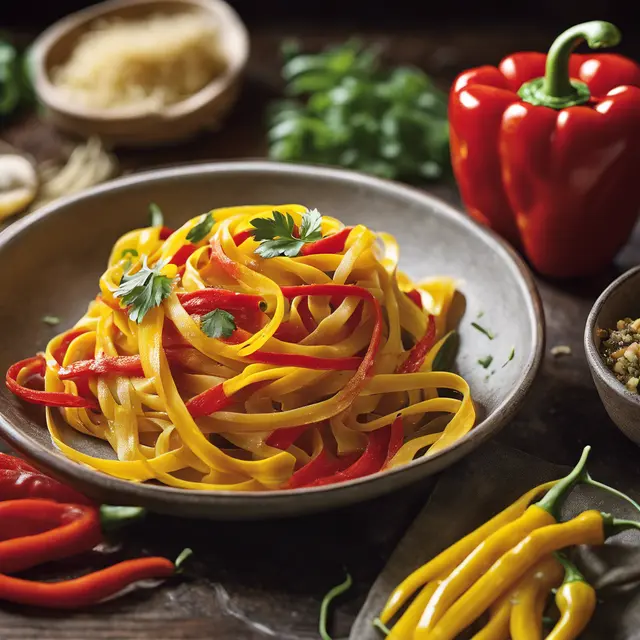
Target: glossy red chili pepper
(415,297)
(36,366)
(129,365)
(333,243)
(206,300)
(545,150)
(17,484)
(416,356)
(87,590)
(371,461)
(182,254)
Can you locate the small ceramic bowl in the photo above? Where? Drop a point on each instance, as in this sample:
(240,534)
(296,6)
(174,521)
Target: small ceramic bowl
(132,126)
(619,300)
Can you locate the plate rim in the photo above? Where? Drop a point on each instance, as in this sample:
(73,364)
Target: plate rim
(56,461)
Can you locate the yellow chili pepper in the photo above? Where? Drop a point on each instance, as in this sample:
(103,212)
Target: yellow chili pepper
(406,625)
(587,528)
(455,554)
(498,626)
(490,551)
(529,599)
(576,601)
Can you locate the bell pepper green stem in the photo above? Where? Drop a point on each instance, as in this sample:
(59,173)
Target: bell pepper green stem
(552,500)
(556,89)
(114,517)
(571,572)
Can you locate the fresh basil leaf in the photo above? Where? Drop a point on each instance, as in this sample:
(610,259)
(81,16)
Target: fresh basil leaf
(200,231)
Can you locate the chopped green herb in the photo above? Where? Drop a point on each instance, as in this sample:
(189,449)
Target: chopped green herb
(480,314)
(512,354)
(486,378)
(486,361)
(129,252)
(52,321)
(218,324)
(185,554)
(143,290)
(275,234)
(326,601)
(156,218)
(486,332)
(200,230)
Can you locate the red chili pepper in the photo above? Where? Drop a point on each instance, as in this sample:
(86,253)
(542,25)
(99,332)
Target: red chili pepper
(87,590)
(206,300)
(415,297)
(69,529)
(165,232)
(17,484)
(182,254)
(208,402)
(333,243)
(396,440)
(242,236)
(36,366)
(12,463)
(416,356)
(103,365)
(544,146)
(284,438)
(371,461)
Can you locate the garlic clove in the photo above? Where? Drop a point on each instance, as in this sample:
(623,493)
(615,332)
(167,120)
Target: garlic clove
(18,184)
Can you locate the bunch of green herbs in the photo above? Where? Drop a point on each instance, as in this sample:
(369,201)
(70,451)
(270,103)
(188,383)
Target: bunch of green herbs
(345,109)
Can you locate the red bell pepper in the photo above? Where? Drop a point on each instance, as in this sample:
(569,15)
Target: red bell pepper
(284,438)
(333,243)
(545,150)
(205,300)
(322,466)
(415,297)
(396,440)
(419,352)
(182,254)
(165,232)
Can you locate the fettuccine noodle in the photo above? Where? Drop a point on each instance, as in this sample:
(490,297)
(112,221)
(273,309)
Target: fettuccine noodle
(327,375)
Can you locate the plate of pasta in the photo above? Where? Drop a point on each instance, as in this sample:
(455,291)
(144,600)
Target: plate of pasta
(250,339)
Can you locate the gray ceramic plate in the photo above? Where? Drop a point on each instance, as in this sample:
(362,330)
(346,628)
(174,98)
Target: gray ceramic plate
(51,262)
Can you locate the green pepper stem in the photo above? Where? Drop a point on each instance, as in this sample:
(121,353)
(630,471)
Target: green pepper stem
(613,525)
(571,572)
(114,517)
(588,480)
(552,500)
(378,624)
(556,89)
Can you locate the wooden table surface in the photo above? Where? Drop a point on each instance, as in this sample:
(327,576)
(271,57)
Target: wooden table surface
(252,581)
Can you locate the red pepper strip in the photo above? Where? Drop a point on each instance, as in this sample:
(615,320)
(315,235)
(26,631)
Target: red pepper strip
(220,259)
(182,254)
(209,401)
(19,483)
(165,232)
(371,461)
(61,349)
(307,318)
(284,438)
(329,244)
(87,590)
(72,529)
(348,363)
(288,332)
(36,365)
(419,352)
(205,300)
(415,297)
(324,464)
(355,318)
(129,365)
(396,439)
(242,236)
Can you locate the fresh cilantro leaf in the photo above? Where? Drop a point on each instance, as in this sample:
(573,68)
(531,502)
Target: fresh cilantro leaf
(218,324)
(275,234)
(156,217)
(486,332)
(52,321)
(486,362)
(143,290)
(201,229)
(129,252)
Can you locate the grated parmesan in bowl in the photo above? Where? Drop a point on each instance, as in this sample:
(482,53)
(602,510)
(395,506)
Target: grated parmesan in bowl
(148,63)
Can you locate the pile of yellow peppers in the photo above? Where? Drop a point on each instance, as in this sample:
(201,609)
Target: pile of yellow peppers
(504,573)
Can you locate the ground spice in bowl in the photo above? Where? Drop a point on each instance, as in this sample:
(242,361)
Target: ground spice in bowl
(620,349)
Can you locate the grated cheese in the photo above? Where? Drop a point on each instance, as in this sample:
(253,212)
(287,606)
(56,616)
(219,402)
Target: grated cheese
(149,63)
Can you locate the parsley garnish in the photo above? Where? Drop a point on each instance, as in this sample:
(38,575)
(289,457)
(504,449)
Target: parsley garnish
(143,290)
(276,238)
(510,358)
(486,361)
(218,324)
(200,230)
(486,332)
(52,321)
(156,218)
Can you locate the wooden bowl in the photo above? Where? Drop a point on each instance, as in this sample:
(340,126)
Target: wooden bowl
(618,300)
(131,125)
(60,251)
